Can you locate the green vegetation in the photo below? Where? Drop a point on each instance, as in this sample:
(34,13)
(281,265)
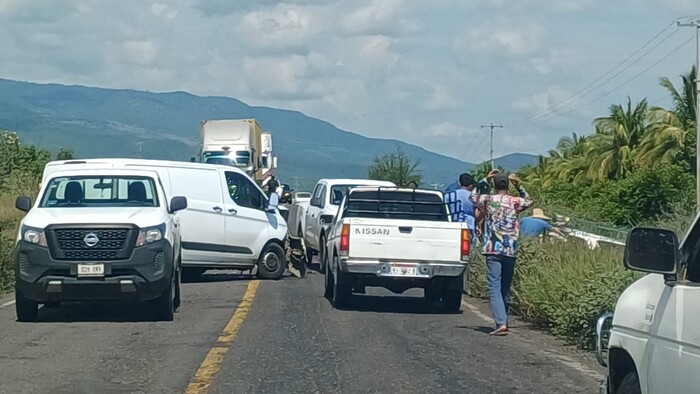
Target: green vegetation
(21,168)
(396,167)
(638,165)
(562,286)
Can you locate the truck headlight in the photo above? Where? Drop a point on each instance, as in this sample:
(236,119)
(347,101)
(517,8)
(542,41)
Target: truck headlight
(34,236)
(150,235)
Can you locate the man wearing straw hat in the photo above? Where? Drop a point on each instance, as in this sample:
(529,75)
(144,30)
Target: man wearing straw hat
(537,224)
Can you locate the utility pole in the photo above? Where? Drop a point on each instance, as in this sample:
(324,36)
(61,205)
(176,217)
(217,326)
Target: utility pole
(491,126)
(696,24)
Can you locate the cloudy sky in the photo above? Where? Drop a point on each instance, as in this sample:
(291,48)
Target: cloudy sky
(429,72)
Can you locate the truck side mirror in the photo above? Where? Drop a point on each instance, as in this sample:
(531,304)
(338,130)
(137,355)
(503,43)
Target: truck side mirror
(652,250)
(274,202)
(23,203)
(178,203)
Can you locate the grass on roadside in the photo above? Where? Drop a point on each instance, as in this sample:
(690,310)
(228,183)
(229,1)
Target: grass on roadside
(562,286)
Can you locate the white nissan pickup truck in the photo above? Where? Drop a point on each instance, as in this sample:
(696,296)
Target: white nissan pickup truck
(397,239)
(651,343)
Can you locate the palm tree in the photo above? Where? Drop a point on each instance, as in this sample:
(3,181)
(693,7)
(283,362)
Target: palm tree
(664,141)
(685,100)
(616,136)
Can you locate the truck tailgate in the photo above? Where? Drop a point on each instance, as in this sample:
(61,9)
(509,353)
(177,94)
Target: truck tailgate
(404,240)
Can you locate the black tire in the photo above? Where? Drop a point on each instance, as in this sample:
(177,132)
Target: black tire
(321,254)
(452,300)
(191,274)
(272,262)
(328,285)
(27,310)
(342,293)
(629,384)
(178,299)
(164,306)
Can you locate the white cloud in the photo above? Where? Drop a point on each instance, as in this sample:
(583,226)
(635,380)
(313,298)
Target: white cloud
(503,39)
(279,28)
(446,129)
(544,101)
(556,58)
(376,17)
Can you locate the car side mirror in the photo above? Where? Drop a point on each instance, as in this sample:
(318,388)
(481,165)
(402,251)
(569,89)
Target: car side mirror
(652,250)
(274,202)
(178,203)
(23,203)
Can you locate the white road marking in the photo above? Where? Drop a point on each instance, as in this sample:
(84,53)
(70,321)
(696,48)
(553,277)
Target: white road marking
(568,361)
(8,303)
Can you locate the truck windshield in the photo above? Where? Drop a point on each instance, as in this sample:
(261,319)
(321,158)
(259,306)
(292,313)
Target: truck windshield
(100,191)
(395,204)
(240,159)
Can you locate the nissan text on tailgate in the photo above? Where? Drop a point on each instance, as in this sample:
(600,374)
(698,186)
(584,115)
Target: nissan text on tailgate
(397,239)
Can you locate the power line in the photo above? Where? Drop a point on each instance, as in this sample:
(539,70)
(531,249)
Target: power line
(619,86)
(595,82)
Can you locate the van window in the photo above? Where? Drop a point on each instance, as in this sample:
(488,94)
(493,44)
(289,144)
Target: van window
(195,184)
(243,192)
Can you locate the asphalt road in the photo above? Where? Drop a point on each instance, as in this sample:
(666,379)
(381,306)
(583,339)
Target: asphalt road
(234,335)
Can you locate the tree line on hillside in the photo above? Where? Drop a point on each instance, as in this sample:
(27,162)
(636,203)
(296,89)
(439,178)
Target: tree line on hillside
(638,164)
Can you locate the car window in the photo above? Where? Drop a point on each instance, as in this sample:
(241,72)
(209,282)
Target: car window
(100,191)
(243,192)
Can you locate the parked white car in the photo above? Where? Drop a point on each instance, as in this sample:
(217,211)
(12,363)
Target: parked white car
(99,234)
(229,224)
(650,344)
(323,207)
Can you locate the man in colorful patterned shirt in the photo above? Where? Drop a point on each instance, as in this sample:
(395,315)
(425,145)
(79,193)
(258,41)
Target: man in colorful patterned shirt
(500,241)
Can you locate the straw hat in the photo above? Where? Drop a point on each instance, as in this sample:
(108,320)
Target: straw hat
(539,214)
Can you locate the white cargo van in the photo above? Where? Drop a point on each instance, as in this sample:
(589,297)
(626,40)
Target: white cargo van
(229,223)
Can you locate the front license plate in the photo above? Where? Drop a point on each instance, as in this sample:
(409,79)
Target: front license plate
(403,271)
(91,269)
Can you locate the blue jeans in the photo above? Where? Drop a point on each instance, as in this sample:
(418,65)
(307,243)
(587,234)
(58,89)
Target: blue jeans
(500,277)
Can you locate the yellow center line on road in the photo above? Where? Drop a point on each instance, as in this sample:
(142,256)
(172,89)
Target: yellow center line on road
(202,379)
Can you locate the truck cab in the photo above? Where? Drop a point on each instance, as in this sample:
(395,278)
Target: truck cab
(99,234)
(323,206)
(651,342)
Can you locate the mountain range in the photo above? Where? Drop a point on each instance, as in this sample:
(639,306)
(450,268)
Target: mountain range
(98,122)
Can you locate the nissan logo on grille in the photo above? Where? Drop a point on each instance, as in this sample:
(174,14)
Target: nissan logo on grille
(91,239)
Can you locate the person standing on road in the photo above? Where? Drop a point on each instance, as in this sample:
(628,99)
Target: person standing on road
(537,224)
(500,242)
(272,186)
(461,208)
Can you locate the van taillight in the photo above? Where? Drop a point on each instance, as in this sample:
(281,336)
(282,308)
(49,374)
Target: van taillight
(465,244)
(345,238)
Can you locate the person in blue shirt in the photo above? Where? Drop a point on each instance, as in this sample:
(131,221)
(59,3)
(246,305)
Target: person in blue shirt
(537,224)
(461,206)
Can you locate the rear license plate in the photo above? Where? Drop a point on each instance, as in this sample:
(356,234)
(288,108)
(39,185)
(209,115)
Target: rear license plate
(91,269)
(403,271)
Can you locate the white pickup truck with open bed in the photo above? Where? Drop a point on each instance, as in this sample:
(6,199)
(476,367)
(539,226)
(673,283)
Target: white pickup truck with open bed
(397,239)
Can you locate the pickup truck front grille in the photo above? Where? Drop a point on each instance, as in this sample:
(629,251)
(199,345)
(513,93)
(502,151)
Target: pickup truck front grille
(91,244)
